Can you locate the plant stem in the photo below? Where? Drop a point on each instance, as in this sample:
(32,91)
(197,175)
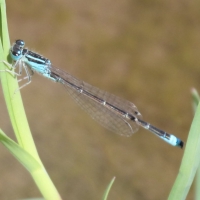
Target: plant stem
(17,113)
(190,161)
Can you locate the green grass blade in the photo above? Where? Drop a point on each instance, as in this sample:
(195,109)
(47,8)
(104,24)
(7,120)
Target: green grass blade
(19,153)
(195,102)
(190,161)
(105,196)
(9,85)
(197,184)
(35,168)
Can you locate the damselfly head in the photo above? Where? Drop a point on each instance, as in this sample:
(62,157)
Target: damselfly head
(16,52)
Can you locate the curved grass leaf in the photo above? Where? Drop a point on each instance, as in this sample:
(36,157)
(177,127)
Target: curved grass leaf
(105,196)
(195,102)
(190,161)
(27,160)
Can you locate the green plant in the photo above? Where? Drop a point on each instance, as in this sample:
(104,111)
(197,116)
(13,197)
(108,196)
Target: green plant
(25,151)
(191,158)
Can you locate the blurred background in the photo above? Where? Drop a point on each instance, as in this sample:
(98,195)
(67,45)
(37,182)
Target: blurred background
(144,51)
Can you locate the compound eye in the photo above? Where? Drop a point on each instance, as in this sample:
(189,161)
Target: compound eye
(20,43)
(16,51)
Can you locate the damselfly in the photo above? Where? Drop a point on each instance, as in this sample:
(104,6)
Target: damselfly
(112,112)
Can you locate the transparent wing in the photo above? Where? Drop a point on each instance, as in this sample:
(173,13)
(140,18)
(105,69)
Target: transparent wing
(109,118)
